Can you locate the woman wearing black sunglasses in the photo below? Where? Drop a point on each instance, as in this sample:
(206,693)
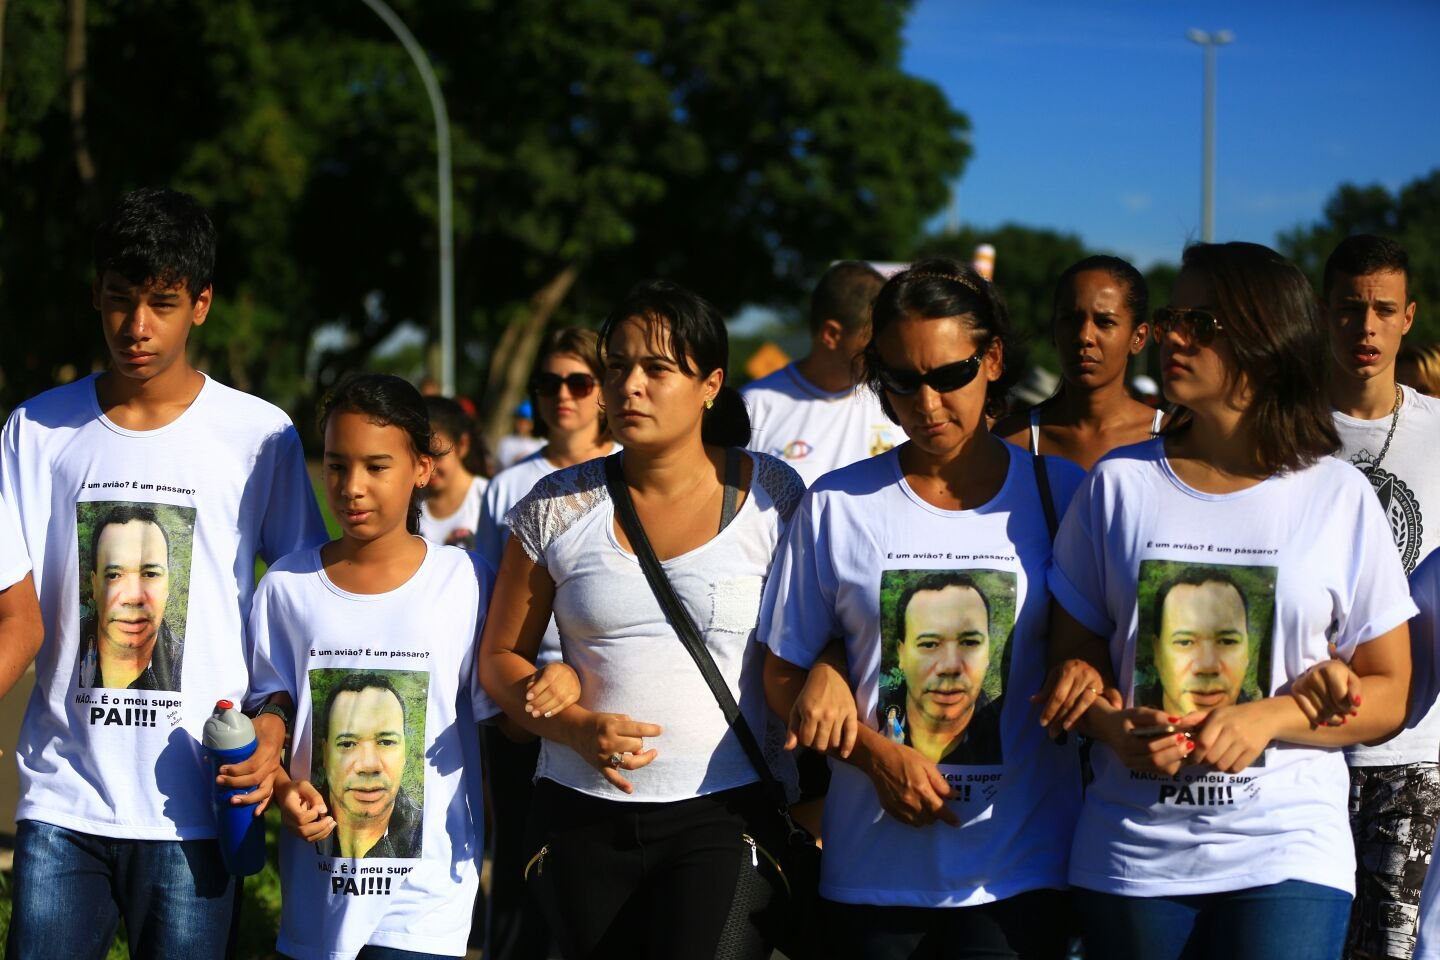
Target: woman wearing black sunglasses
(948,830)
(1098,322)
(1226,573)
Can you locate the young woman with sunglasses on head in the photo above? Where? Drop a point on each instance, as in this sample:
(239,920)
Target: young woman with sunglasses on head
(565,393)
(1097,323)
(644,794)
(1214,571)
(947,832)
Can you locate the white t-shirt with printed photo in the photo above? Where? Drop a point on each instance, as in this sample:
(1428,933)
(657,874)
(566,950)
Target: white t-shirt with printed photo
(1262,580)
(627,655)
(813,430)
(1407,483)
(862,555)
(458,529)
(386,702)
(14,560)
(143,538)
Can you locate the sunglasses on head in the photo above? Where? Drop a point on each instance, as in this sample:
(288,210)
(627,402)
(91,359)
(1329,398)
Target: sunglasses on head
(1193,326)
(549,384)
(944,379)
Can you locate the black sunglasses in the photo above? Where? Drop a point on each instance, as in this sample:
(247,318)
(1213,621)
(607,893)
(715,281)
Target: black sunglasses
(944,379)
(549,384)
(1193,326)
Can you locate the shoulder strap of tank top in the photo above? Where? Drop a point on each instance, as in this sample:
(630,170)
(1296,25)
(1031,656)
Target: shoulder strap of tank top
(1159,419)
(1035,431)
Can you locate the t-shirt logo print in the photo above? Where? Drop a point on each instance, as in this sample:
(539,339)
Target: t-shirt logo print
(1401,508)
(795,450)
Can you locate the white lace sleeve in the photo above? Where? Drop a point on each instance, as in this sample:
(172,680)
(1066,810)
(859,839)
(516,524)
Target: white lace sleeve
(554,504)
(780,482)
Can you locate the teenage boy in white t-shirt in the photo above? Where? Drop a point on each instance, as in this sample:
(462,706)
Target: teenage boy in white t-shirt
(1389,432)
(144,495)
(812,413)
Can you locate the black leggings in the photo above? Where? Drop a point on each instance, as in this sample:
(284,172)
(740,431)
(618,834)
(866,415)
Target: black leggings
(628,879)
(1031,926)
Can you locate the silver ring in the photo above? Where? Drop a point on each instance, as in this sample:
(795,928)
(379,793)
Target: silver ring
(617,761)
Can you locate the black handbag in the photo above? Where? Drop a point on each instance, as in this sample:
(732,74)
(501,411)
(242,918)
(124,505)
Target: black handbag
(777,896)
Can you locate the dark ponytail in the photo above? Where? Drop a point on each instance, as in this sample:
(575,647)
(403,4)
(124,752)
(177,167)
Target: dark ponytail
(727,424)
(696,331)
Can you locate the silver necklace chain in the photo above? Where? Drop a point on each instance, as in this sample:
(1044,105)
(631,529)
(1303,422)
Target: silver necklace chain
(1394,419)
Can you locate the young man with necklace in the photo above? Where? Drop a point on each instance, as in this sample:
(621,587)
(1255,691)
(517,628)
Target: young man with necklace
(1389,432)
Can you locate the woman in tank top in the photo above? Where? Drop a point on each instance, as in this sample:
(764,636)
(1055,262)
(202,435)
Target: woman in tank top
(1097,325)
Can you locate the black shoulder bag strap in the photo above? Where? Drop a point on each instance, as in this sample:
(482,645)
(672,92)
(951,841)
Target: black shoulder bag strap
(1047,497)
(685,627)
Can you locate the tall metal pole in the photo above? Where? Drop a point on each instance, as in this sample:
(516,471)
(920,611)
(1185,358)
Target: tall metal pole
(1207,185)
(442,144)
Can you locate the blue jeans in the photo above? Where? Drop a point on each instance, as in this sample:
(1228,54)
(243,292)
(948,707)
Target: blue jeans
(1292,920)
(71,889)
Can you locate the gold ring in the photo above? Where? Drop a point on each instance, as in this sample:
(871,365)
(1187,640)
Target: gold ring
(617,761)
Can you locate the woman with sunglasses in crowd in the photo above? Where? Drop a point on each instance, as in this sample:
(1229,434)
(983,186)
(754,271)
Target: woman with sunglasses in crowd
(1097,324)
(644,795)
(1214,571)
(947,833)
(564,392)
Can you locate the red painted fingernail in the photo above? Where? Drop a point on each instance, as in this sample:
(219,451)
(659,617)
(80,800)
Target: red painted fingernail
(1179,738)
(1356,698)
(1173,719)
(1190,745)
(1344,720)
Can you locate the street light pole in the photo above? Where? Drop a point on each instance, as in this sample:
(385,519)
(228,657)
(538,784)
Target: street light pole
(1210,41)
(442,145)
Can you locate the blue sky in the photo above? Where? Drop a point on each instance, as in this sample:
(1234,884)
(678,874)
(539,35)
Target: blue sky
(1086,115)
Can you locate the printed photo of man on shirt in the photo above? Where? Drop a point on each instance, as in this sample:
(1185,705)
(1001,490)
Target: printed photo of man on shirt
(367,760)
(1204,635)
(942,661)
(134,584)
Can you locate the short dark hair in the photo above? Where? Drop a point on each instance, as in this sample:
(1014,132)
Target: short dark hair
(160,236)
(574,341)
(1366,253)
(351,683)
(936,288)
(122,514)
(447,415)
(1194,577)
(386,401)
(696,329)
(1137,291)
(844,294)
(1281,345)
(939,580)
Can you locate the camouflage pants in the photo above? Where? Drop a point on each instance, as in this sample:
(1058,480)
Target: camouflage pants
(1392,816)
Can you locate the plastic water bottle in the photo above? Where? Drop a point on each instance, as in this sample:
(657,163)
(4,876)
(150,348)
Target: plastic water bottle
(230,738)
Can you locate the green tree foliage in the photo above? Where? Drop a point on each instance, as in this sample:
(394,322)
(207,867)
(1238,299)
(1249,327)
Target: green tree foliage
(732,147)
(1411,216)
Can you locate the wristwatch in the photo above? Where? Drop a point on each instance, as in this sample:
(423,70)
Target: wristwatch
(286,716)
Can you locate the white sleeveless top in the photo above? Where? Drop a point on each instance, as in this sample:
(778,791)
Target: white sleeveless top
(1035,428)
